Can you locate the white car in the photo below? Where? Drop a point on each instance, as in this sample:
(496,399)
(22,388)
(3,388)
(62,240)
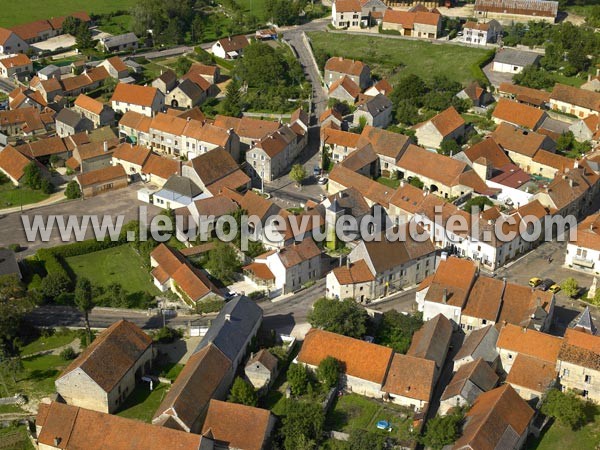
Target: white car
(323,180)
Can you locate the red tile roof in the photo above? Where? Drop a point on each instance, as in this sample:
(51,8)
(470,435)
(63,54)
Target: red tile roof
(347,6)
(529,342)
(532,373)
(89,104)
(410,377)
(360,358)
(161,167)
(238,426)
(580,348)
(134,94)
(575,96)
(13,162)
(112,354)
(356,272)
(103,175)
(518,113)
(345,66)
(347,84)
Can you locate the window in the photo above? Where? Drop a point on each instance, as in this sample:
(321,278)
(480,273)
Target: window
(510,356)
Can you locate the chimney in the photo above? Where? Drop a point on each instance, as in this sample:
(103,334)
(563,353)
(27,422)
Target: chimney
(571,182)
(105,146)
(347,262)
(227,317)
(576,165)
(445,296)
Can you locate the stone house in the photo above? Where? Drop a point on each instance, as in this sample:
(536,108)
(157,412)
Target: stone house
(130,157)
(520,145)
(571,100)
(346,14)
(338,67)
(339,143)
(518,114)
(578,364)
(432,342)
(470,381)
(587,129)
(446,125)
(481,33)
(11,43)
(377,111)
(107,371)
(102,180)
(419,24)
(344,89)
(119,43)
(99,113)
(69,122)
(186,94)
(293,265)
(115,67)
(166,82)
(145,100)
(532,378)
(479,344)
(583,253)
(215,171)
(18,66)
(261,369)
(13,164)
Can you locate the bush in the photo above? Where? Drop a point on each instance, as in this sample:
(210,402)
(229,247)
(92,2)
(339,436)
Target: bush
(328,372)
(209,306)
(256,295)
(55,284)
(68,354)
(15,247)
(297,376)
(73,190)
(167,335)
(565,407)
(570,287)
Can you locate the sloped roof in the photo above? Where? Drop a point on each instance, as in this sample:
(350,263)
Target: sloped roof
(18,60)
(485,299)
(496,420)
(239,426)
(213,165)
(114,352)
(234,43)
(580,348)
(161,167)
(529,342)
(13,162)
(490,150)
(410,377)
(133,154)
(431,341)
(384,142)
(525,94)
(532,373)
(361,359)
(575,96)
(477,372)
(101,175)
(517,140)
(453,277)
(79,428)
(232,327)
(134,94)
(195,386)
(356,272)
(296,253)
(432,165)
(447,121)
(346,84)
(346,66)
(89,104)
(473,340)
(518,113)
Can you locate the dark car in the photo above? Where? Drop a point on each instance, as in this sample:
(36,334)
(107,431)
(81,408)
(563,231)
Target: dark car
(546,284)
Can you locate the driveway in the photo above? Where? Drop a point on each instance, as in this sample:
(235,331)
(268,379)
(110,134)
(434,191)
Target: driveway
(120,202)
(497,77)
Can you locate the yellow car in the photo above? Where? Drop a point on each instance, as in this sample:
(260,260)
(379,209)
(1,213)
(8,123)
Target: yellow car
(554,288)
(535,281)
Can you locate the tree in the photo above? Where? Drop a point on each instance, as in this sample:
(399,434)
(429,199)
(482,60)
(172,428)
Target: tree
(565,407)
(14,303)
(480,202)
(449,147)
(302,425)
(84,301)
(67,354)
(83,37)
(343,317)
(183,65)
(441,431)
(54,284)
(365,440)
(328,372)
(243,393)
(46,186)
(297,376)
(223,262)
(232,104)
(570,287)
(534,77)
(73,190)
(416,182)
(298,173)
(408,88)
(32,176)
(396,330)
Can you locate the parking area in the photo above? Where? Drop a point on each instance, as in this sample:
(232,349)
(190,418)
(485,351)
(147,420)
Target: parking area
(497,77)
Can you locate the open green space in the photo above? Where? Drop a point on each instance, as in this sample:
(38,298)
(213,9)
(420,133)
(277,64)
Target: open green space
(15,437)
(11,196)
(256,7)
(56,340)
(395,58)
(120,265)
(352,411)
(143,403)
(389,182)
(115,24)
(36,379)
(559,436)
(15,13)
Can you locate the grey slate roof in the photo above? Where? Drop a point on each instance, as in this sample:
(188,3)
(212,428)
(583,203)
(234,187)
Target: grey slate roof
(49,70)
(121,39)
(191,90)
(230,330)
(69,117)
(516,57)
(376,105)
(584,320)
(182,186)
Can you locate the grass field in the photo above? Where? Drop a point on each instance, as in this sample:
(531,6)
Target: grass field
(559,437)
(11,196)
(143,403)
(394,58)
(14,437)
(15,13)
(49,342)
(256,7)
(353,411)
(120,265)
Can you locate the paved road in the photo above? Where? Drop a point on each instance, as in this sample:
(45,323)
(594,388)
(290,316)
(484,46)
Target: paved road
(7,86)
(121,202)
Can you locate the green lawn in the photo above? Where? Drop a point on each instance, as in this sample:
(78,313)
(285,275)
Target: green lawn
(10,409)
(394,58)
(36,380)
(353,411)
(559,437)
(256,7)
(389,182)
(16,435)
(14,13)
(116,24)
(11,196)
(58,339)
(120,265)
(143,403)
(171,371)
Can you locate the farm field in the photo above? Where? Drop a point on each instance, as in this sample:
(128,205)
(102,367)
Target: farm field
(395,58)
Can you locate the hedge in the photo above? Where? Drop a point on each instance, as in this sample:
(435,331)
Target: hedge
(476,69)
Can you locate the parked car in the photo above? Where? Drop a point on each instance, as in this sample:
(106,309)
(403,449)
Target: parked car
(535,281)
(554,288)
(323,180)
(546,284)
(317,171)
